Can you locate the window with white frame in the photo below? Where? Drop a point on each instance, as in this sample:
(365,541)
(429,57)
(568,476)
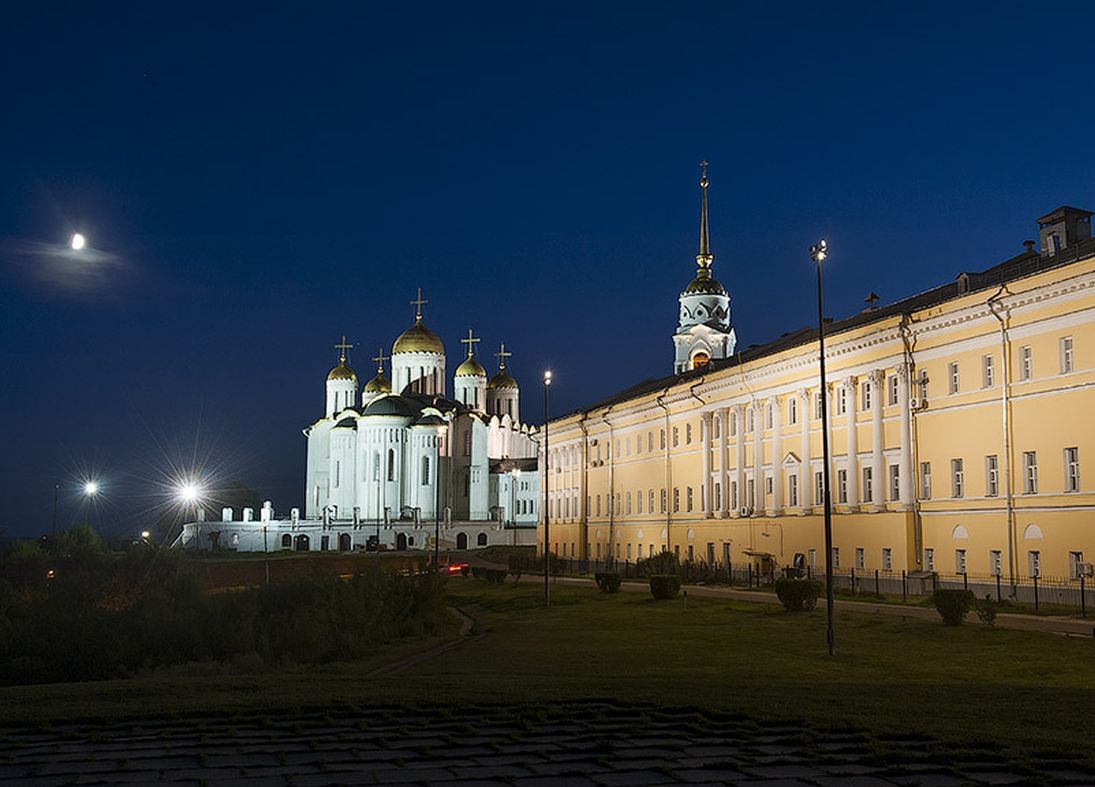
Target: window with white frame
(836,557)
(893,387)
(733,423)
(992,476)
(688,434)
(865,395)
(425,471)
(841,400)
(988,371)
(952,378)
(817,405)
(929,559)
(842,486)
(1026,363)
(959,561)
(676,436)
(811,558)
(925,480)
(750,493)
(792,489)
(664,501)
(718,495)
(1075,565)
(768,417)
(688,498)
(1066,354)
(995,562)
(1034,563)
(650,499)
(1072,469)
(734,495)
(958,478)
(716,427)
(750,423)
(649,441)
(676,499)
(1030,472)
(663,439)
(887,559)
(868,477)
(768,485)
(895,482)
(628,510)
(792,410)
(922,383)
(819,488)
(860,559)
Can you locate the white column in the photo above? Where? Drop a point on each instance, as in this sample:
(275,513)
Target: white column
(878,464)
(708,483)
(853,444)
(724,467)
(806,476)
(759,498)
(777,457)
(739,450)
(906,468)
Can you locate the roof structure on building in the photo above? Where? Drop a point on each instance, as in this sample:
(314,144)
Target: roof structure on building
(1020,266)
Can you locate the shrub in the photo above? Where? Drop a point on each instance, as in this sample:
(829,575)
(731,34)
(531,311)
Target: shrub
(953,605)
(798,595)
(664,586)
(607,582)
(495,576)
(986,610)
(665,562)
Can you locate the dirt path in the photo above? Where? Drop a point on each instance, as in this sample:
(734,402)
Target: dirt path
(466,635)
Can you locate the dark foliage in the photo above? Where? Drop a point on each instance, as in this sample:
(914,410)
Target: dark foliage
(665,562)
(607,581)
(986,610)
(665,586)
(112,616)
(953,605)
(495,576)
(798,595)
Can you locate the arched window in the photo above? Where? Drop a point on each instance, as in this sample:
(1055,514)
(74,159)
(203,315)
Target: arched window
(286,541)
(481,540)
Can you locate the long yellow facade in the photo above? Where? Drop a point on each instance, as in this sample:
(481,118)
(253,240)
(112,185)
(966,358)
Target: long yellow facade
(961,440)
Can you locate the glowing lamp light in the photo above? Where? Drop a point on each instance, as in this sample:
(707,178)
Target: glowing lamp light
(78,242)
(145,534)
(547,378)
(819,251)
(91,489)
(189,493)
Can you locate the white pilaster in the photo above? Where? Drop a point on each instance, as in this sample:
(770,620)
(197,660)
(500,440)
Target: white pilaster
(806,477)
(853,444)
(777,457)
(708,481)
(906,469)
(878,468)
(724,467)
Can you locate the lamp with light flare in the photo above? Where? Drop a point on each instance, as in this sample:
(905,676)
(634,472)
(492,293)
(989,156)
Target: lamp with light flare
(188,492)
(78,242)
(91,488)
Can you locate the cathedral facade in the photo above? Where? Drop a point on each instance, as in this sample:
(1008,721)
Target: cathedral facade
(394,462)
(959,428)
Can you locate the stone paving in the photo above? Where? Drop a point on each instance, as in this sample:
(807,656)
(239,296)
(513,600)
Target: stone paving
(594,743)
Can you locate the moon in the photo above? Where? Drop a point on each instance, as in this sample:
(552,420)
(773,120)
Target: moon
(78,242)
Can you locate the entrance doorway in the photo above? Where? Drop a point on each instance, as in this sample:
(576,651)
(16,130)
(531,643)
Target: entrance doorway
(401,542)
(461,540)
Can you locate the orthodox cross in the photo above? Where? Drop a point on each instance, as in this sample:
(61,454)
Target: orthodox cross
(380,359)
(471,341)
(342,347)
(418,303)
(502,355)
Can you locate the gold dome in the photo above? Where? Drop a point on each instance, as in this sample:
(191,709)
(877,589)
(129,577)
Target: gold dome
(342,372)
(378,384)
(418,339)
(502,380)
(471,368)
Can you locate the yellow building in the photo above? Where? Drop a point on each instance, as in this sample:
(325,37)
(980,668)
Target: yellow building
(959,422)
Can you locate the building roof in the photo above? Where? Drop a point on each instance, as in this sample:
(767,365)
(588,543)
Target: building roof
(1020,266)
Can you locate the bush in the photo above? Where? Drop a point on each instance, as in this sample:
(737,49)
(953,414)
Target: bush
(953,605)
(798,595)
(665,562)
(607,582)
(986,610)
(495,576)
(665,586)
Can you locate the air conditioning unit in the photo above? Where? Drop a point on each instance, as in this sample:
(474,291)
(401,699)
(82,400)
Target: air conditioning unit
(1085,570)
(745,511)
(916,403)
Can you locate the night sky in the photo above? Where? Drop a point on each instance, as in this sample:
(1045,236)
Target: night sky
(256,182)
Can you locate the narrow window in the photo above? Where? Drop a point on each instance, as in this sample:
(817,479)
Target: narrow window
(718,495)
(768,416)
(663,502)
(650,498)
(663,439)
(688,498)
(925,480)
(959,561)
(842,401)
(811,558)
(836,557)
(750,425)
(425,471)
(1034,563)
(639,502)
(338,472)
(1072,469)
(792,410)
(892,387)
(1066,354)
(734,495)
(842,486)
(887,559)
(995,562)
(391,464)
(819,488)
(628,503)
(688,434)
(676,499)
(1075,564)
(952,378)
(676,436)
(860,559)
(895,482)
(929,559)
(1026,363)
(792,489)
(958,478)
(733,424)
(1030,472)
(866,395)
(868,477)
(992,476)
(988,372)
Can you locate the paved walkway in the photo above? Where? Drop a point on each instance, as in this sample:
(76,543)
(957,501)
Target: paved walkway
(1054,625)
(579,744)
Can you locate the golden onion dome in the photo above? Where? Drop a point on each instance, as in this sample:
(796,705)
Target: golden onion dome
(418,339)
(502,380)
(342,372)
(471,368)
(378,384)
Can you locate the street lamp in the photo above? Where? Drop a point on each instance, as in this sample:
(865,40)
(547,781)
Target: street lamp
(818,252)
(91,489)
(547,485)
(78,242)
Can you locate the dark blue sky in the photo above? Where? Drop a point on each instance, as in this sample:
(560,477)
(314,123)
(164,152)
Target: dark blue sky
(257,181)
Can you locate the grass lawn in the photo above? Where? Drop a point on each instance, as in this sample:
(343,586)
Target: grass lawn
(970,685)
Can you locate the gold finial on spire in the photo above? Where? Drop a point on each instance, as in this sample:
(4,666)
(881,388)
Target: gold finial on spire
(418,303)
(502,355)
(342,347)
(470,341)
(380,359)
(704,258)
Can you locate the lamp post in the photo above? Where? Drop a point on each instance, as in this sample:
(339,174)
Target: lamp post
(91,489)
(818,252)
(547,486)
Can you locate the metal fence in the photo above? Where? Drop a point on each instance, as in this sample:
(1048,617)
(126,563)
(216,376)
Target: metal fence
(1034,594)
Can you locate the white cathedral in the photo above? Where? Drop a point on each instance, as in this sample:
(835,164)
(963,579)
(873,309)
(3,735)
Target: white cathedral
(396,462)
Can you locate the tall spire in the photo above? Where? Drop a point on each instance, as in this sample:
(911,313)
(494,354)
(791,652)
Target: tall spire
(704,258)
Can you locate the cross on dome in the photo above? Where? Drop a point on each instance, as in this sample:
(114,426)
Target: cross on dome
(471,341)
(502,355)
(342,347)
(380,359)
(418,303)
